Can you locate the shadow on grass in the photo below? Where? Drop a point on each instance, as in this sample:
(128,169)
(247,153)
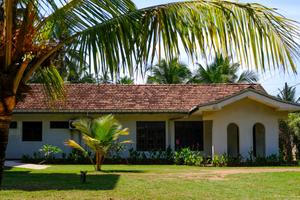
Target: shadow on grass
(24,180)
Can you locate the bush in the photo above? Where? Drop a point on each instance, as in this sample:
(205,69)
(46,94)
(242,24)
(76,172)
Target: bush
(49,151)
(115,152)
(151,157)
(226,160)
(220,161)
(187,157)
(77,157)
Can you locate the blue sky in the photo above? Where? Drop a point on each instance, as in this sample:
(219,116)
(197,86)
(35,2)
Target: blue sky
(271,80)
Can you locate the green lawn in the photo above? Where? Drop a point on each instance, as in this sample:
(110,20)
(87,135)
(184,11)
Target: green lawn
(151,182)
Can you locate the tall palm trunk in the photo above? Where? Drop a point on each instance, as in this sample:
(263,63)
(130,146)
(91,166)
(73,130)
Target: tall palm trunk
(6,107)
(5,119)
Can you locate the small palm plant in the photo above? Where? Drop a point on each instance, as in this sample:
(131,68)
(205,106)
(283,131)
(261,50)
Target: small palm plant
(98,134)
(49,152)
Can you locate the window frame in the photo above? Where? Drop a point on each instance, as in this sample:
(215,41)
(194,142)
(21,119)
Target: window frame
(148,136)
(30,138)
(60,126)
(193,125)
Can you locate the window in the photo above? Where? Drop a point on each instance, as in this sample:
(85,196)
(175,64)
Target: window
(13,125)
(233,144)
(59,124)
(259,137)
(32,131)
(151,136)
(189,134)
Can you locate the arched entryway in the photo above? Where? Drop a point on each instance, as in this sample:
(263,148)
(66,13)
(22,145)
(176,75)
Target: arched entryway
(233,142)
(259,140)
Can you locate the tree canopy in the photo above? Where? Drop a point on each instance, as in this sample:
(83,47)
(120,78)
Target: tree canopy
(288,93)
(171,72)
(221,70)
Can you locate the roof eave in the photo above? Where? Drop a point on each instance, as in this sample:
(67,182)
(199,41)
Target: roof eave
(251,94)
(44,111)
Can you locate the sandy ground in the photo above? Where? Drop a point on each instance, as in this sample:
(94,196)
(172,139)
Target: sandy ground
(12,163)
(220,174)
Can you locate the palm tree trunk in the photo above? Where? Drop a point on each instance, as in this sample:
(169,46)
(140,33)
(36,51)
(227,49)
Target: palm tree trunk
(5,119)
(98,161)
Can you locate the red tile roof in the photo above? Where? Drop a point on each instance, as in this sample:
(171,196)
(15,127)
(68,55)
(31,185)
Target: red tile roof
(130,98)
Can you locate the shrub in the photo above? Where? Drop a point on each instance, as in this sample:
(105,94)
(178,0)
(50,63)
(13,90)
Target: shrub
(26,158)
(273,159)
(134,155)
(151,157)
(219,161)
(187,157)
(49,151)
(168,154)
(77,156)
(115,151)
(226,160)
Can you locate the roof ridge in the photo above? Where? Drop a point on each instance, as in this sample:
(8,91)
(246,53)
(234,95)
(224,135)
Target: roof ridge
(147,84)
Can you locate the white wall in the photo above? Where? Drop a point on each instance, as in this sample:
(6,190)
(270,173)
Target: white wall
(16,147)
(245,113)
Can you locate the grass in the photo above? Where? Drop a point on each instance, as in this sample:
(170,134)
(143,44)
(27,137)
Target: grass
(149,182)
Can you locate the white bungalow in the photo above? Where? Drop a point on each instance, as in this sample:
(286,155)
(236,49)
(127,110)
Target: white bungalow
(213,118)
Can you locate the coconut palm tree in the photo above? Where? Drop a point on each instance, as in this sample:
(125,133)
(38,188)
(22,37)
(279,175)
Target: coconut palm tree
(221,70)
(289,128)
(171,72)
(288,93)
(99,135)
(114,35)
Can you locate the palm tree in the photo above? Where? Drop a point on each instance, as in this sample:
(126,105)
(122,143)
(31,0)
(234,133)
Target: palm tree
(99,135)
(223,71)
(288,93)
(288,134)
(114,36)
(171,72)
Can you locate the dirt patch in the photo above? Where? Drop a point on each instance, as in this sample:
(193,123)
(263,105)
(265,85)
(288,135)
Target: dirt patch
(13,163)
(220,174)
(207,173)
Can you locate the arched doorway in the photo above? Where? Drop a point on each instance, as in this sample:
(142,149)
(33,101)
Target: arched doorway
(233,143)
(259,140)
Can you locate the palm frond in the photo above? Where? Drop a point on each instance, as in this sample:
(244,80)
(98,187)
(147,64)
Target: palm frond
(92,143)
(288,93)
(83,125)
(249,31)
(117,36)
(52,82)
(247,77)
(75,145)
(126,142)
